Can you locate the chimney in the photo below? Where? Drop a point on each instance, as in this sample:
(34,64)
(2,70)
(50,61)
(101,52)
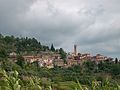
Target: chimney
(75,49)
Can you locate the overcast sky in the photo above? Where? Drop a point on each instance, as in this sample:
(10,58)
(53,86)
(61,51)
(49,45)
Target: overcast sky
(94,25)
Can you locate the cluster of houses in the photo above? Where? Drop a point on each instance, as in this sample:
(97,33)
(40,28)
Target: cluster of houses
(50,59)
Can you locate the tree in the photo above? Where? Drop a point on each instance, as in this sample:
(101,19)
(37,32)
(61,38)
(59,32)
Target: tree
(52,48)
(89,66)
(62,54)
(116,60)
(9,39)
(20,61)
(115,69)
(1,36)
(3,53)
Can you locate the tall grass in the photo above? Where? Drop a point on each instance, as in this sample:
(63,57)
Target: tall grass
(12,81)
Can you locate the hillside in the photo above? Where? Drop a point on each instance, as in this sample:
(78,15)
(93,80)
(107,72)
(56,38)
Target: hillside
(21,45)
(23,75)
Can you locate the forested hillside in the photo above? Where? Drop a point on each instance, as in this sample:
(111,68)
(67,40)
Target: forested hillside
(20,45)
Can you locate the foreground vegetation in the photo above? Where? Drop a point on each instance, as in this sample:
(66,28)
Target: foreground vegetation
(12,81)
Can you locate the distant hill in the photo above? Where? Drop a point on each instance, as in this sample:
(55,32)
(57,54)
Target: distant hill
(21,45)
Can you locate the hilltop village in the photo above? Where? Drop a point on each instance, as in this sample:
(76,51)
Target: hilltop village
(51,59)
(28,63)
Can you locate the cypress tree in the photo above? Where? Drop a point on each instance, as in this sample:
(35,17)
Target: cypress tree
(52,48)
